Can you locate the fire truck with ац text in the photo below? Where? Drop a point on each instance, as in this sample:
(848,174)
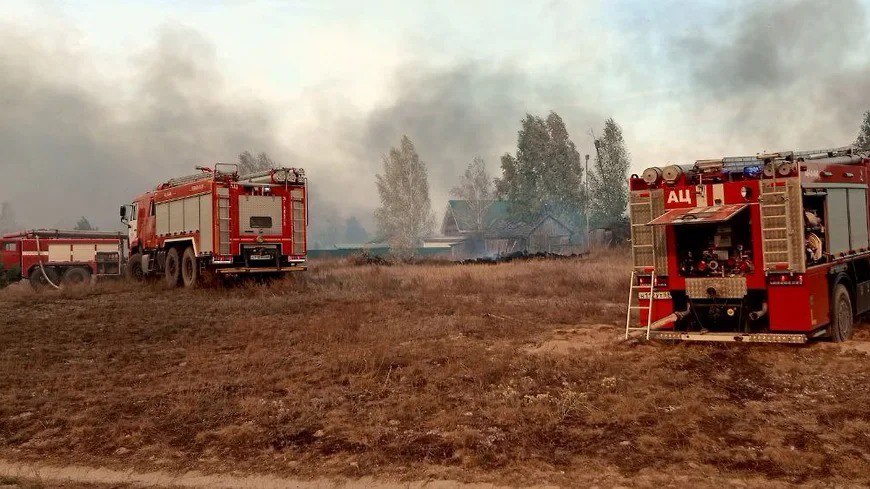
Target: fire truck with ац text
(219,222)
(765,248)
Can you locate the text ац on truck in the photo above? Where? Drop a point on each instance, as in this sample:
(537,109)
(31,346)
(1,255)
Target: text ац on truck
(766,248)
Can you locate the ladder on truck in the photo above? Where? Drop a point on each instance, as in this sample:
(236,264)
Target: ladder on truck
(634,291)
(646,248)
(776,236)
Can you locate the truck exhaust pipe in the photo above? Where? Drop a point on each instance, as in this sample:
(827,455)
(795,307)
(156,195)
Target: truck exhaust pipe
(756,315)
(670,318)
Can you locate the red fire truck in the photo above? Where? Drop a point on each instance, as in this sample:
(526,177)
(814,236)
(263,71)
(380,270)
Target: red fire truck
(219,222)
(56,258)
(765,248)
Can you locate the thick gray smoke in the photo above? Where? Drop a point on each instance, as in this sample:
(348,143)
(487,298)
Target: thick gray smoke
(76,139)
(782,75)
(72,145)
(455,114)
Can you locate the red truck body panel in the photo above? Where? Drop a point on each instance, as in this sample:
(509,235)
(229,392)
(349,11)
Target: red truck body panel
(55,248)
(223,216)
(795,296)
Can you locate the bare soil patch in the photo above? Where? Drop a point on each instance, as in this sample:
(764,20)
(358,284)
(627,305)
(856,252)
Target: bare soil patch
(510,373)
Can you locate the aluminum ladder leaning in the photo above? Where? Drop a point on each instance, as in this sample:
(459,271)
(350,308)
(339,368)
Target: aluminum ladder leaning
(634,291)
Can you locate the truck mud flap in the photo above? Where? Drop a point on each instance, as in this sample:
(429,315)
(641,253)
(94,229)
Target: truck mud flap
(730,337)
(255,270)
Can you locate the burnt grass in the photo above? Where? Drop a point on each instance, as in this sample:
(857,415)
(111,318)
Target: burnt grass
(415,371)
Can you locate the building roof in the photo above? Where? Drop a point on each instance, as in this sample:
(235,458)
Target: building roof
(461,213)
(497,222)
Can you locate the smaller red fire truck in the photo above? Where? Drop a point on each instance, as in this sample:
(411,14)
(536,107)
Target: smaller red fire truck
(221,223)
(56,258)
(767,248)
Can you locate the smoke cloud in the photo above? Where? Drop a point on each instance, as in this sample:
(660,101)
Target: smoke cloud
(79,139)
(457,113)
(72,143)
(782,75)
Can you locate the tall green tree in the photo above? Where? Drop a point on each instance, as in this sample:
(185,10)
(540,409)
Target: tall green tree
(476,189)
(545,175)
(405,215)
(608,179)
(863,140)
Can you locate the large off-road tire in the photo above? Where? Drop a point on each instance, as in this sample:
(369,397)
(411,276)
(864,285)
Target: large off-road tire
(38,281)
(189,267)
(842,318)
(172,268)
(75,277)
(134,268)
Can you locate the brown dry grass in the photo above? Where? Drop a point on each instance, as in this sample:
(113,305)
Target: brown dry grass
(417,371)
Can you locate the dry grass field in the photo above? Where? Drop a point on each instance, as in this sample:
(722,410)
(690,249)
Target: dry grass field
(512,373)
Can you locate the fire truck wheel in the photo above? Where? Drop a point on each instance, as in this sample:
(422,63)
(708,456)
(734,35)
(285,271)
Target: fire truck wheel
(189,268)
(74,277)
(172,267)
(37,279)
(841,314)
(134,267)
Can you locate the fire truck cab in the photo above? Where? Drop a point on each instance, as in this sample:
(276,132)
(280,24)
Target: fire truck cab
(767,248)
(219,222)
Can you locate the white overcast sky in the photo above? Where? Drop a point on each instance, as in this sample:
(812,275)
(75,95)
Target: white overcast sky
(684,79)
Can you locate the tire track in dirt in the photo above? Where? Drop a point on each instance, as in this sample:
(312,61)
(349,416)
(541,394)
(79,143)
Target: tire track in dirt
(196,480)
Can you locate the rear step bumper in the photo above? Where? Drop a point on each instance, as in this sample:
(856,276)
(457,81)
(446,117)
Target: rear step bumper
(730,337)
(253,270)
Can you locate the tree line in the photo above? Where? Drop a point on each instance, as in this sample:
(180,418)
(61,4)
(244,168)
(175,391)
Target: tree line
(545,176)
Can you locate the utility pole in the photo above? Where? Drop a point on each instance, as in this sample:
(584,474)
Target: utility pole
(586,210)
(597,147)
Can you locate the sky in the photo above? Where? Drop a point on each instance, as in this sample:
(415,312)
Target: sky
(100,101)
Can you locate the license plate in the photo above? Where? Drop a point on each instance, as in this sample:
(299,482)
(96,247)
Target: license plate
(262,257)
(659,295)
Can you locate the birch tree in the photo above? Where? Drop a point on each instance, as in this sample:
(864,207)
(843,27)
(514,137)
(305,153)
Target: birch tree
(476,189)
(405,215)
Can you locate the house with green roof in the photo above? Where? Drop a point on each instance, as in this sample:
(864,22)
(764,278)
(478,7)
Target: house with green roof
(486,228)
